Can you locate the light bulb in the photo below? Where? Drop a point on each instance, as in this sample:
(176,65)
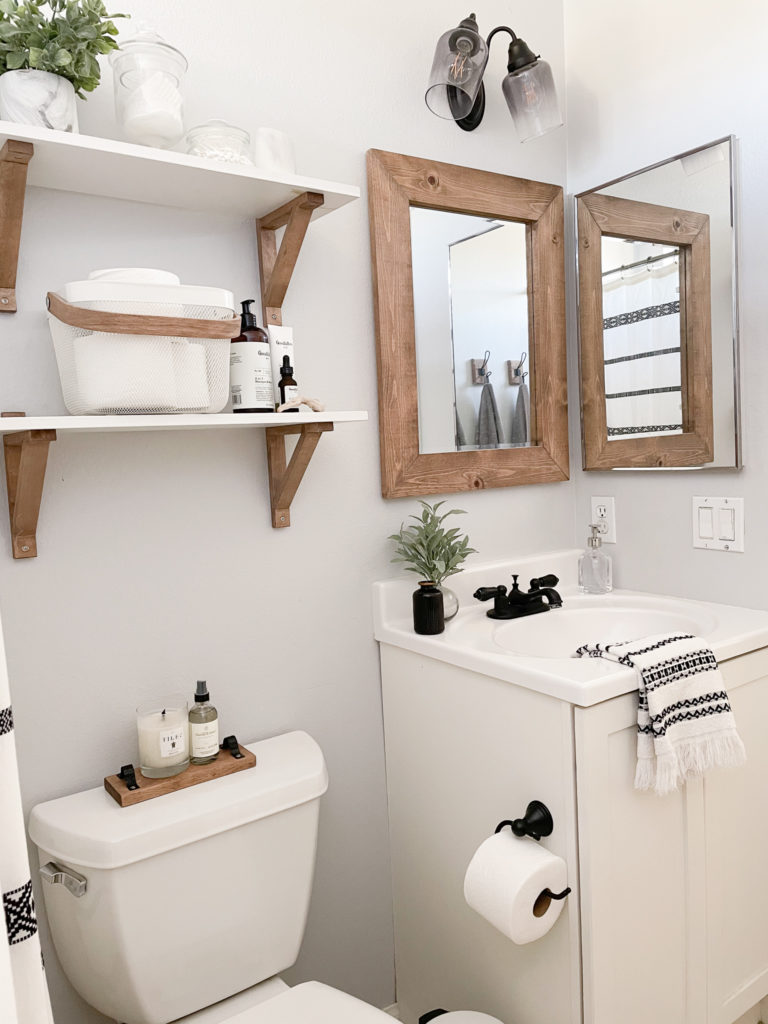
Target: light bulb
(461,69)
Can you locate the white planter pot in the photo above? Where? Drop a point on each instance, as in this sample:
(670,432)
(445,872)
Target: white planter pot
(38,97)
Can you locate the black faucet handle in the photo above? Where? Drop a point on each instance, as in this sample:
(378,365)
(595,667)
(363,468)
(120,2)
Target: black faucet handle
(487,593)
(542,582)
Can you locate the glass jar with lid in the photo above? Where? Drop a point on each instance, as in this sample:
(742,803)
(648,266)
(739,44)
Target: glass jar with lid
(148,74)
(217,140)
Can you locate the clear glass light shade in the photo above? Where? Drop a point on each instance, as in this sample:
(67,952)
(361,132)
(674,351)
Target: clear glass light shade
(457,71)
(532,100)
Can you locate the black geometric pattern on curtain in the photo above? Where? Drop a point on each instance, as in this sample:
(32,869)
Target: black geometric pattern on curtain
(20,920)
(637,315)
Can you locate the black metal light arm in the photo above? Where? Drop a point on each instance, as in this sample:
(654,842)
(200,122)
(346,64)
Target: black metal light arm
(520,56)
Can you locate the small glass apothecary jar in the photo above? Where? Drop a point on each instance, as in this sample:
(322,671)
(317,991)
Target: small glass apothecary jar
(163,726)
(148,75)
(217,140)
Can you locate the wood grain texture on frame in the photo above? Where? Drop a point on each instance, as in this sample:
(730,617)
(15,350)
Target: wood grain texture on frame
(395,183)
(600,215)
(14,160)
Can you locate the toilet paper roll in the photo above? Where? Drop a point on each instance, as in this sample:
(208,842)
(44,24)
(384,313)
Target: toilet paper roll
(505,881)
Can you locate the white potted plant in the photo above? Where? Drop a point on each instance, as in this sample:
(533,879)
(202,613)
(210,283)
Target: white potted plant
(48,54)
(433,552)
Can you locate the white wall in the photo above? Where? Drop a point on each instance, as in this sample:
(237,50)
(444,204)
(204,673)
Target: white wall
(646,83)
(157,561)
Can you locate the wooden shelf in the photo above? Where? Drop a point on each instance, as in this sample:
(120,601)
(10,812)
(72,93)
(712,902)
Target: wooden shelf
(26,440)
(121,170)
(107,424)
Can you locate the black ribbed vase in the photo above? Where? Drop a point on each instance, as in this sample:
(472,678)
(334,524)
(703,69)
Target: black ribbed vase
(428,617)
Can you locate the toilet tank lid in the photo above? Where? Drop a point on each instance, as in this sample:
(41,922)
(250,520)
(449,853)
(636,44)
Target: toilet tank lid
(90,830)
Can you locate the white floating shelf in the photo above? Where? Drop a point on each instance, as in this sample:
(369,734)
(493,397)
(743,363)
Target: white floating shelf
(121,170)
(26,440)
(106,424)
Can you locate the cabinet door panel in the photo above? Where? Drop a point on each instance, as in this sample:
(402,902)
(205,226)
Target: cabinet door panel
(737,855)
(638,880)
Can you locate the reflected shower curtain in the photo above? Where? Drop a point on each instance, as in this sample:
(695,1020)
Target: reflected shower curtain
(23,990)
(641,343)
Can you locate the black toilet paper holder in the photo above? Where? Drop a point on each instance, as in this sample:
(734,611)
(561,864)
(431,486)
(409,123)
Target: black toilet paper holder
(536,823)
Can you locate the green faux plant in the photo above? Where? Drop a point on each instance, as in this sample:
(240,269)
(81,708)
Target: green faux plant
(427,548)
(61,36)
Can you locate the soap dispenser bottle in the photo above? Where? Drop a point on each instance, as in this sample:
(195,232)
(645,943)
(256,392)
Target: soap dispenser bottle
(250,366)
(203,727)
(595,570)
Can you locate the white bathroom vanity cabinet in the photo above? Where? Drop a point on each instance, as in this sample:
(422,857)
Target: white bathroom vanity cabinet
(667,920)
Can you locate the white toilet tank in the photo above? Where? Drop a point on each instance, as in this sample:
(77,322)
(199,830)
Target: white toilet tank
(192,896)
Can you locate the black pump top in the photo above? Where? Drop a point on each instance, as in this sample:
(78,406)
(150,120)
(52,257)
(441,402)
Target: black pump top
(286,370)
(202,694)
(247,318)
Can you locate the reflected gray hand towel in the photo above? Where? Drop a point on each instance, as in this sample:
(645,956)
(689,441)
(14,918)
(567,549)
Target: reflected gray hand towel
(490,433)
(521,417)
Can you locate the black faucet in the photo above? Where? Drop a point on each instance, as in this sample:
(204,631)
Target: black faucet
(540,598)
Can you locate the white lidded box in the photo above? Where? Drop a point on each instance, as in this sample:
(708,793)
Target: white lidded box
(135,340)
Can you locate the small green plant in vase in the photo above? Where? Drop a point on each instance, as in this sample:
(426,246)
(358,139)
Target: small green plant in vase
(433,551)
(48,53)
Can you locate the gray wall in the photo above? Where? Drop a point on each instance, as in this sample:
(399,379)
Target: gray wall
(157,561)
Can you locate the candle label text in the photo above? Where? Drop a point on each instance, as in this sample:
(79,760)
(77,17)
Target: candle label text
(173,742)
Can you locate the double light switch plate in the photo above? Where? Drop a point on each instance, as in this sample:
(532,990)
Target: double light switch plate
(718,523)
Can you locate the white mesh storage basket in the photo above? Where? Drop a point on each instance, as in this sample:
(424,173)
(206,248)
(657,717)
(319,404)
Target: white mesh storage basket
(138,341)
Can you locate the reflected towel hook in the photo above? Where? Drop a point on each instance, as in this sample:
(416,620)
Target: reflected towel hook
(480,372)
(515,371)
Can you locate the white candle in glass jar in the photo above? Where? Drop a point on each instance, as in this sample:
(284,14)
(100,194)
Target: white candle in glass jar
(163,736)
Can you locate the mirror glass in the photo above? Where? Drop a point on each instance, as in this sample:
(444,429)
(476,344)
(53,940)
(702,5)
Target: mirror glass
(644,304)
(642,349)
(471,318)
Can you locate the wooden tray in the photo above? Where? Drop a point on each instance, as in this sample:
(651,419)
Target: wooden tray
(225,764)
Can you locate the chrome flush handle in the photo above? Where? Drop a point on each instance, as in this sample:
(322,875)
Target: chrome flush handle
(55,874)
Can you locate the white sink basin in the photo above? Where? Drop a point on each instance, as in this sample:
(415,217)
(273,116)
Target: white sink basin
(537,651)
(609,619)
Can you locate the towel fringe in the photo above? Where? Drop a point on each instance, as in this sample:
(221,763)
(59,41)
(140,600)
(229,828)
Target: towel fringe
(645,773)
(693,756)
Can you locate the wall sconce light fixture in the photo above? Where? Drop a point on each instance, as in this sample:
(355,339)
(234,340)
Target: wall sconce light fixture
(456,89)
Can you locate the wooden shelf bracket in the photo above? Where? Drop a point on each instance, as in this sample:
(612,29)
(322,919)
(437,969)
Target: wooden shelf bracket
(277,265)
(26,456)
(284,478)
(14,160)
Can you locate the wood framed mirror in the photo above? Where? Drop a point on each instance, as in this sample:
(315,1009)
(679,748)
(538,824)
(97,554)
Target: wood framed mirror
(679,239)
(658,318)
(469,299)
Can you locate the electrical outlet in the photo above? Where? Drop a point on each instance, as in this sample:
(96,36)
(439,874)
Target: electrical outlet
(604,517)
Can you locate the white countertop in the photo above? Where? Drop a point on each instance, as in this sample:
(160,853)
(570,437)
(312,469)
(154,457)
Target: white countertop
(468,640)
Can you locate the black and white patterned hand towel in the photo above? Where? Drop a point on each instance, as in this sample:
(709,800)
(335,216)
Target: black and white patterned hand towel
(684,720)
